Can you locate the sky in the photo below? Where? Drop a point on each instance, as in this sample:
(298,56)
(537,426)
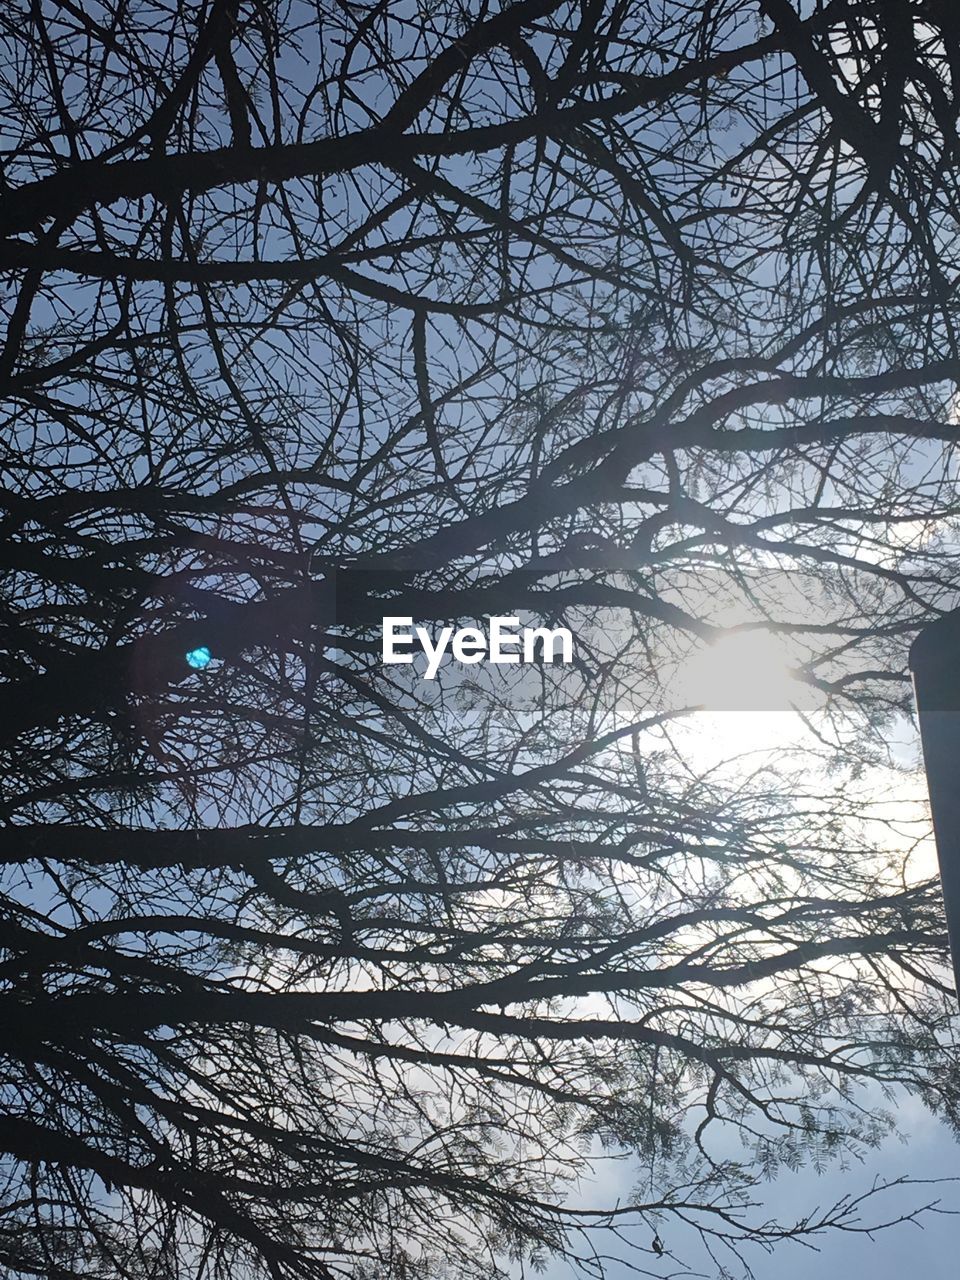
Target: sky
(923,1148)
(927,1250)
(931,1151)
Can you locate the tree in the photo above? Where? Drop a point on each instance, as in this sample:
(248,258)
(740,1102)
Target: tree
(635,318)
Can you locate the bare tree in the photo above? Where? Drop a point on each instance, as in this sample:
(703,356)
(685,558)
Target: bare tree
(634,318)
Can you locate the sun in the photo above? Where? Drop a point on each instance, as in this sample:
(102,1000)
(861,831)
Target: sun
(748,698)
(743,671)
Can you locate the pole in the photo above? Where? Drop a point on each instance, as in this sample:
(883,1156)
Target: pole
(935,664)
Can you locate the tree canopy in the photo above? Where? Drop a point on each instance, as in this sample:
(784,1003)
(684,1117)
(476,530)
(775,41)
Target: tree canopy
(639,319)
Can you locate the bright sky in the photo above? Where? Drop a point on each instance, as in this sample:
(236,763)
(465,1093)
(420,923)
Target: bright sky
(927,1252)
(744,683)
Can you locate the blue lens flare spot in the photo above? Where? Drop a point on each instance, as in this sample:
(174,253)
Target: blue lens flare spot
(199,658)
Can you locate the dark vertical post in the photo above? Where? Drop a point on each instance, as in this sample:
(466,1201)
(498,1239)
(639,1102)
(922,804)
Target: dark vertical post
(935,663)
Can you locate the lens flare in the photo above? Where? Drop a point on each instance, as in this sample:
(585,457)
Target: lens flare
(199,658)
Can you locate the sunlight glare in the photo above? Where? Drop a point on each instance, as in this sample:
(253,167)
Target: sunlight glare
(747,697)
(744,671)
